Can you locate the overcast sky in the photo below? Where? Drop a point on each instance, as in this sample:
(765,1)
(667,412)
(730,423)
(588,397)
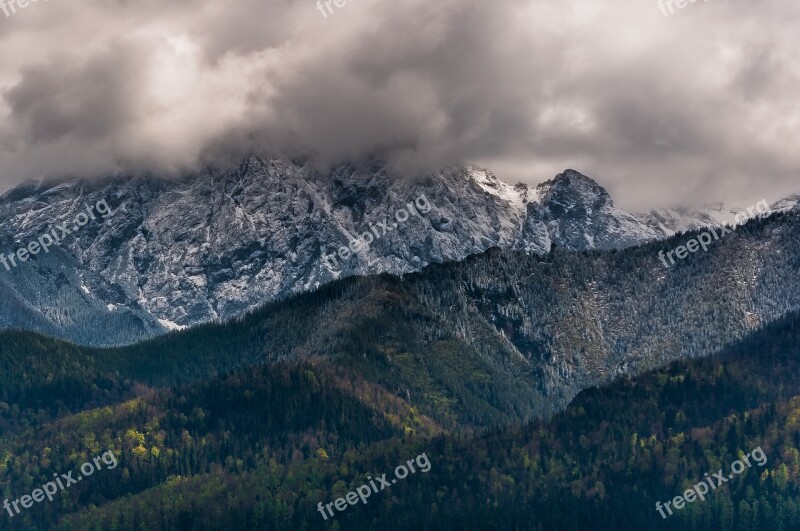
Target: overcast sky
(694,107)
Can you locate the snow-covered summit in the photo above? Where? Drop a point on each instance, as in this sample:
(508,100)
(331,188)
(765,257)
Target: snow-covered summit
(789,203)
(213,246)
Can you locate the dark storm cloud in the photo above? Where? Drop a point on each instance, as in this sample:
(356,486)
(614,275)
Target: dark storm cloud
(694,107)
(65,97)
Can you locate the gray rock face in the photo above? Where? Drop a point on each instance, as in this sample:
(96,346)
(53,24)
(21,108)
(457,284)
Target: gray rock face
(216,245)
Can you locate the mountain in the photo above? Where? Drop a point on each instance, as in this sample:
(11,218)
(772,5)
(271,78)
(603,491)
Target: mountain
(788,204)
(498,338)
(215,245)
(602,464)
(678,220)
(508,336)
(260,446)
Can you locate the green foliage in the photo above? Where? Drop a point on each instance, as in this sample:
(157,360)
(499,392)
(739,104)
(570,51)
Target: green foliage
(259,448)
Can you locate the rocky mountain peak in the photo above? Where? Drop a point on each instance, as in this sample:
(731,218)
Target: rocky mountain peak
(572,189)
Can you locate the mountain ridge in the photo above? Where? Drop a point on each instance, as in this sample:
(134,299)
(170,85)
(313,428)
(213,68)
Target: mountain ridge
(502,336)
(213,246)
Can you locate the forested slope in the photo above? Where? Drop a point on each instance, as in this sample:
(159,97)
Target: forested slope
(260,448)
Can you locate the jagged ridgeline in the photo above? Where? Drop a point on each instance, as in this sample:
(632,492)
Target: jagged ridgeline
(220,243)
